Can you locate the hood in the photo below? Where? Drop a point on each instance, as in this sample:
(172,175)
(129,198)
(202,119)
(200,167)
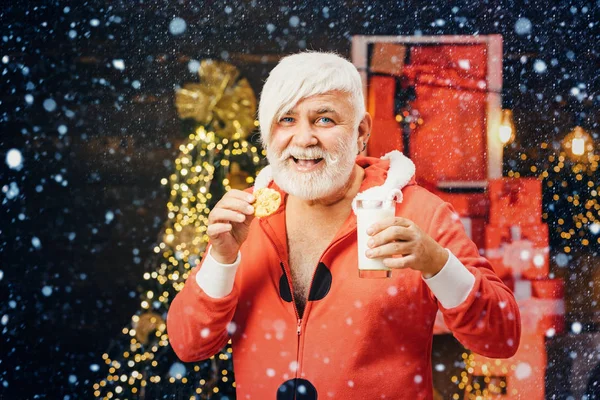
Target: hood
(384,178)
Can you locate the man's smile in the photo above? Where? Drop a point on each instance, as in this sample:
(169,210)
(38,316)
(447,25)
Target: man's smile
(305,164)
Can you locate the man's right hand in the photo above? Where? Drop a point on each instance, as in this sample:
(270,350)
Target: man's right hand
(228,225)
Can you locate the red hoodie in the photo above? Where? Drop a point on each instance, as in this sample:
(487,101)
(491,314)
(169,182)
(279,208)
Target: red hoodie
(358,338)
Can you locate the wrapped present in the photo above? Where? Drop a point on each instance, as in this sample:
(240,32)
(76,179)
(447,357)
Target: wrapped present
(451,143)
(550,305)
(475,228)
(472,208)
(515,201)
(452,99)
(469,62)
(467,204)
(521,251)
(548,288)
(450,87)
(521,376)
(518,377)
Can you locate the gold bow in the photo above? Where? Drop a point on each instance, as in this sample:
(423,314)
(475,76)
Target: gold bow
(147,323)
(222,100)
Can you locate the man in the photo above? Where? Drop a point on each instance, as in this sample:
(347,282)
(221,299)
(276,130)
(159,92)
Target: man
(285,287)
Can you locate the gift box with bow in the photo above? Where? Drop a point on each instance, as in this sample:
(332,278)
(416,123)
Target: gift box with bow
(515,201)
(520,251)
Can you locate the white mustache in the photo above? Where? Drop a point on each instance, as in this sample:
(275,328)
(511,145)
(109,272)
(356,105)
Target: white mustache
(304,152)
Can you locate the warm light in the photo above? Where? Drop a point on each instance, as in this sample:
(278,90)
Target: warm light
(578,143)
(578,146)
(506,132)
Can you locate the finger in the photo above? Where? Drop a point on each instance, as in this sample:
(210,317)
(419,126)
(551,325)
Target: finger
(214,230)
(241,195)
(391,234)
(399,262)
(235,204)
(224,215)
(390,250)
(387,222)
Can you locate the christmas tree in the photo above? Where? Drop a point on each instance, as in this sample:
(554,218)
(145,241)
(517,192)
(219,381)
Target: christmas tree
(568,170)
(219,111)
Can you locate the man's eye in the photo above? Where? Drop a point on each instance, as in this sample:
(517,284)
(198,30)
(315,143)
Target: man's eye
(325,120)
(287,120)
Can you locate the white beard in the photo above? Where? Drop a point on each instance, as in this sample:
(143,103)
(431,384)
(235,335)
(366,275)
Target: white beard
(325,181)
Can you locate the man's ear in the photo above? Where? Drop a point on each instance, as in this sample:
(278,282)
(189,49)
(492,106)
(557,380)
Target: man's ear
(364,132)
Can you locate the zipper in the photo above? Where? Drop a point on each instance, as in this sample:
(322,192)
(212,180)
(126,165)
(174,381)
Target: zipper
(298,319)
(289,279)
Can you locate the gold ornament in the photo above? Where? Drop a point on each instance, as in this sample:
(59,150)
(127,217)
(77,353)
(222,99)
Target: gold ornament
(147,323)
(222,100)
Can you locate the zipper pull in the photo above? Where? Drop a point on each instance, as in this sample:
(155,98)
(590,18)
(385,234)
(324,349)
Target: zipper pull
(299,323)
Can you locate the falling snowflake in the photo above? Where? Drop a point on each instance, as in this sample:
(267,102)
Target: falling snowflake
(14,159)
(177,26)
(523,26)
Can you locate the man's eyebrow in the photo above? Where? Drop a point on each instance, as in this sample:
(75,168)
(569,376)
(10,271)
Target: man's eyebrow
(326,110)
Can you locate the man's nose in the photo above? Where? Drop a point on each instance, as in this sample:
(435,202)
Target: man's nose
(305,135)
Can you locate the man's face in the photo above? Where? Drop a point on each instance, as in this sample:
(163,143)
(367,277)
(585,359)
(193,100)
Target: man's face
(313,147)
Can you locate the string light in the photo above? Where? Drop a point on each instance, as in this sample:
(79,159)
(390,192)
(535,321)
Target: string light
(482,378)
(183,244)
(569,182)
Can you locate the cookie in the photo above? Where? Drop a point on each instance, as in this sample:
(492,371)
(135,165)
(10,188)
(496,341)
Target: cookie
(267,202)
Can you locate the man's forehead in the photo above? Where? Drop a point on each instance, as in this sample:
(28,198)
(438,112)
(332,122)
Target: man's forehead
(334,101)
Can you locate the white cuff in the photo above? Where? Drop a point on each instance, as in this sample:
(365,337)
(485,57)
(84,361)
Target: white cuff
(216,279)
(452,285)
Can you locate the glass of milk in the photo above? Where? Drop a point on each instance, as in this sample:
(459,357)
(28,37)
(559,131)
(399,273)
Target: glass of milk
(367,213)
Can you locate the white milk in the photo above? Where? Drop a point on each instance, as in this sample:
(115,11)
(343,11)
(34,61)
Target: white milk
(367,213)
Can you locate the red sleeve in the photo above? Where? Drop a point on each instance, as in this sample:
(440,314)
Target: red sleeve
(488,322)
(197,323)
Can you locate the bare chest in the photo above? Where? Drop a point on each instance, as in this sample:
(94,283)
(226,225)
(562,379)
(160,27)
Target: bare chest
(304,254)
(306,245)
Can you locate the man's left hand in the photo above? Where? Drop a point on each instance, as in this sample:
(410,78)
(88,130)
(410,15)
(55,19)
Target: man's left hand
(403,244)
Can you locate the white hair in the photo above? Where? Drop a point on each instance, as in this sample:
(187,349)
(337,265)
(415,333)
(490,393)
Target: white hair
(303,75)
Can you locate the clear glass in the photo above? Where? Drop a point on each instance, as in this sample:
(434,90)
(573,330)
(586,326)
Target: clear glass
(367,213)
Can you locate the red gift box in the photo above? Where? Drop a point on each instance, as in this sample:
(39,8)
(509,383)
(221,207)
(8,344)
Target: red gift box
(452,99)
(550,293)
(518,250)
(475,228)
(515,201)
(472,209)
(548,288)
(451,143)
(467,204)
(497,235)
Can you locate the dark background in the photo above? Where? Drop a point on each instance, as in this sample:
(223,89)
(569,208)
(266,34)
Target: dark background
(113,135)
